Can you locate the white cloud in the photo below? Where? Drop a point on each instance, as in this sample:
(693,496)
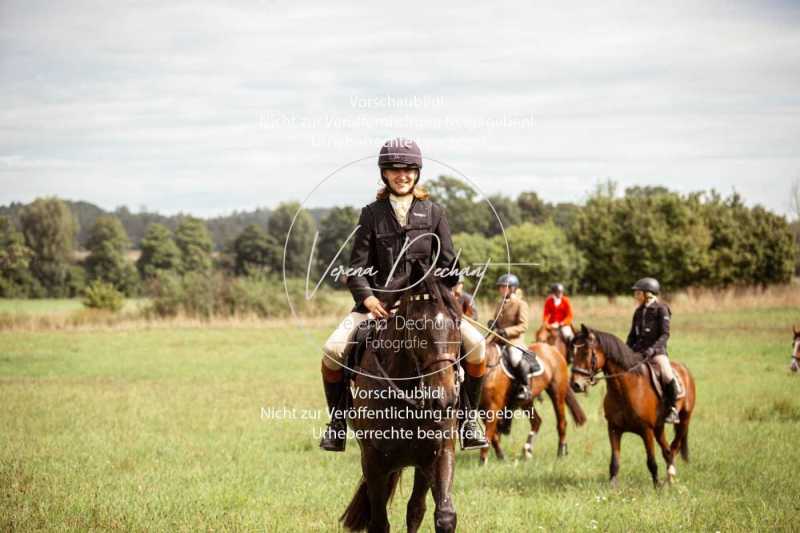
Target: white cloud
(166,104)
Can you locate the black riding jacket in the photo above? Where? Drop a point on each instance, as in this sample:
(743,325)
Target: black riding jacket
(650,328)
(379,241)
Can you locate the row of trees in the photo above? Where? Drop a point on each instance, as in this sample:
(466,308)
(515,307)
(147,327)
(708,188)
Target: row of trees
(599,247)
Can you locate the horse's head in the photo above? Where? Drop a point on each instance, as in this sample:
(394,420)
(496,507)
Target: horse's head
(587,359)
(795,350)
(428,320)
(545,334)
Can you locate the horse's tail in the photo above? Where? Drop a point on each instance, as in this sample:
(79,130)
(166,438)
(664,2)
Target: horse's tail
(356,516)
(575,408)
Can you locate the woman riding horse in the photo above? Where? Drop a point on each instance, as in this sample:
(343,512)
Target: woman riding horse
(401,228)
(557,314)
(649,335)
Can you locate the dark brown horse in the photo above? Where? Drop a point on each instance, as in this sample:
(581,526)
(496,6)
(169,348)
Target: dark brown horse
(631,404)
(496,394)
(554,337)
(395,359)
(795,366)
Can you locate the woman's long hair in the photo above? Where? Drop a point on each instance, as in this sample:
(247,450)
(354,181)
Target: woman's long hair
(419,192)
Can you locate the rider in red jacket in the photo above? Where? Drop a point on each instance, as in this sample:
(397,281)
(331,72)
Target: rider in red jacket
(558,312)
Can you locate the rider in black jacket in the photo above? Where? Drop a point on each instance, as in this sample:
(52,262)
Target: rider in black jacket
(402,223)
(649,335)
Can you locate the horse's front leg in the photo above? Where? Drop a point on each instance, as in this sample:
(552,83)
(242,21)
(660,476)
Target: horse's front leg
(378,489)
(666,451)
(615,439)
(415,511)
(649,445)
(442,486)
(536,423)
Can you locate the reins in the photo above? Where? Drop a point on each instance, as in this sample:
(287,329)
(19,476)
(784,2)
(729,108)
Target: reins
(593,373)
(421,372)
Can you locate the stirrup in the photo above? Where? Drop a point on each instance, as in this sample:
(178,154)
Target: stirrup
(523,394)
(333,439)
(471,437)
(673,417)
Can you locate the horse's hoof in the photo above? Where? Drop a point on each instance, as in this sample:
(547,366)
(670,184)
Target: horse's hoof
(671,473)
(614,482)
(482,461)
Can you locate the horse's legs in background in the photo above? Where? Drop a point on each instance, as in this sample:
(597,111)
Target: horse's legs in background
(415,511)
(495,440)
(558,396)
(536,423)
(378,490)
(444,517)
(649,445)
(491,436)
(680,444)
(669,458)
(615,438)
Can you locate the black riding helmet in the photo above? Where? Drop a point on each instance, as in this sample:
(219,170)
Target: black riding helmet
(400,153)
(508,279)
(647,285)
(556,288)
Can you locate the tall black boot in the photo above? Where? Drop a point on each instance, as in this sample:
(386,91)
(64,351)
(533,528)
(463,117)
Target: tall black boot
(472,436)
(670,399)
(521,373)
(335,437)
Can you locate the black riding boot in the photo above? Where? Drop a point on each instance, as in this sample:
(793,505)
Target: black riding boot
(670,399)
(335,437)
(472,436)
(521,373)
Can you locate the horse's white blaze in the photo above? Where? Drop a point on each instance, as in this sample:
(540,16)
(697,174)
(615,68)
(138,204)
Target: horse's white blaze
(439,320)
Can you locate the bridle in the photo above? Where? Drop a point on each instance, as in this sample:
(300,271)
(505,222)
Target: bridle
(593,371)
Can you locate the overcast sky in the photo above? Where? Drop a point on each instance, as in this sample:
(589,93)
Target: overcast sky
(204,108)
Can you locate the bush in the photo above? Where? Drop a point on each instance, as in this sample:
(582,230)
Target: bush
(103,295)
(206,296)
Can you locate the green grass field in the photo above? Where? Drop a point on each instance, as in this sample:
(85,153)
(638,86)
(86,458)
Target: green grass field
(161,430)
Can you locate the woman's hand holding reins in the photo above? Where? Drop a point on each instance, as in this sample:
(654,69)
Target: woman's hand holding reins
(375,307)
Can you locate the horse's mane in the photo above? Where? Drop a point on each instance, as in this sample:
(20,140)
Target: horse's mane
(615,349)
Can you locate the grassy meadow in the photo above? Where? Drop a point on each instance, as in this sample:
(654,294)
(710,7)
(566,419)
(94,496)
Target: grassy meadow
(160,427)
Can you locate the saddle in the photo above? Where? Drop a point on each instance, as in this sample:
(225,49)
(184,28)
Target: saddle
(655,378)
(357,346)
(505,362)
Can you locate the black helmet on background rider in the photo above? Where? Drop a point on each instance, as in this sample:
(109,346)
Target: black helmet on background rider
(647,285)
(509,280)
(556,288)
(400,153)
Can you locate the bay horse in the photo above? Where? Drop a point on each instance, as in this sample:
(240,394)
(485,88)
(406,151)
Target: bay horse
(631,404)
(554,337)
(400,360)
(496,396)
(795,366)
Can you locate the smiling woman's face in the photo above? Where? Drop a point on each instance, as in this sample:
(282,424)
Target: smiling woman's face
(401,180)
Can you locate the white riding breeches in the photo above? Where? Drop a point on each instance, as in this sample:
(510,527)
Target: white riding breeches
(472,341)
(667,374)
(566,331)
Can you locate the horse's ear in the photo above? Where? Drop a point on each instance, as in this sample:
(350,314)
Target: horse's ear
(584,329)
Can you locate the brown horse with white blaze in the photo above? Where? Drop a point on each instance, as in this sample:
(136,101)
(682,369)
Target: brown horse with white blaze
(631,403)
(497,388)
